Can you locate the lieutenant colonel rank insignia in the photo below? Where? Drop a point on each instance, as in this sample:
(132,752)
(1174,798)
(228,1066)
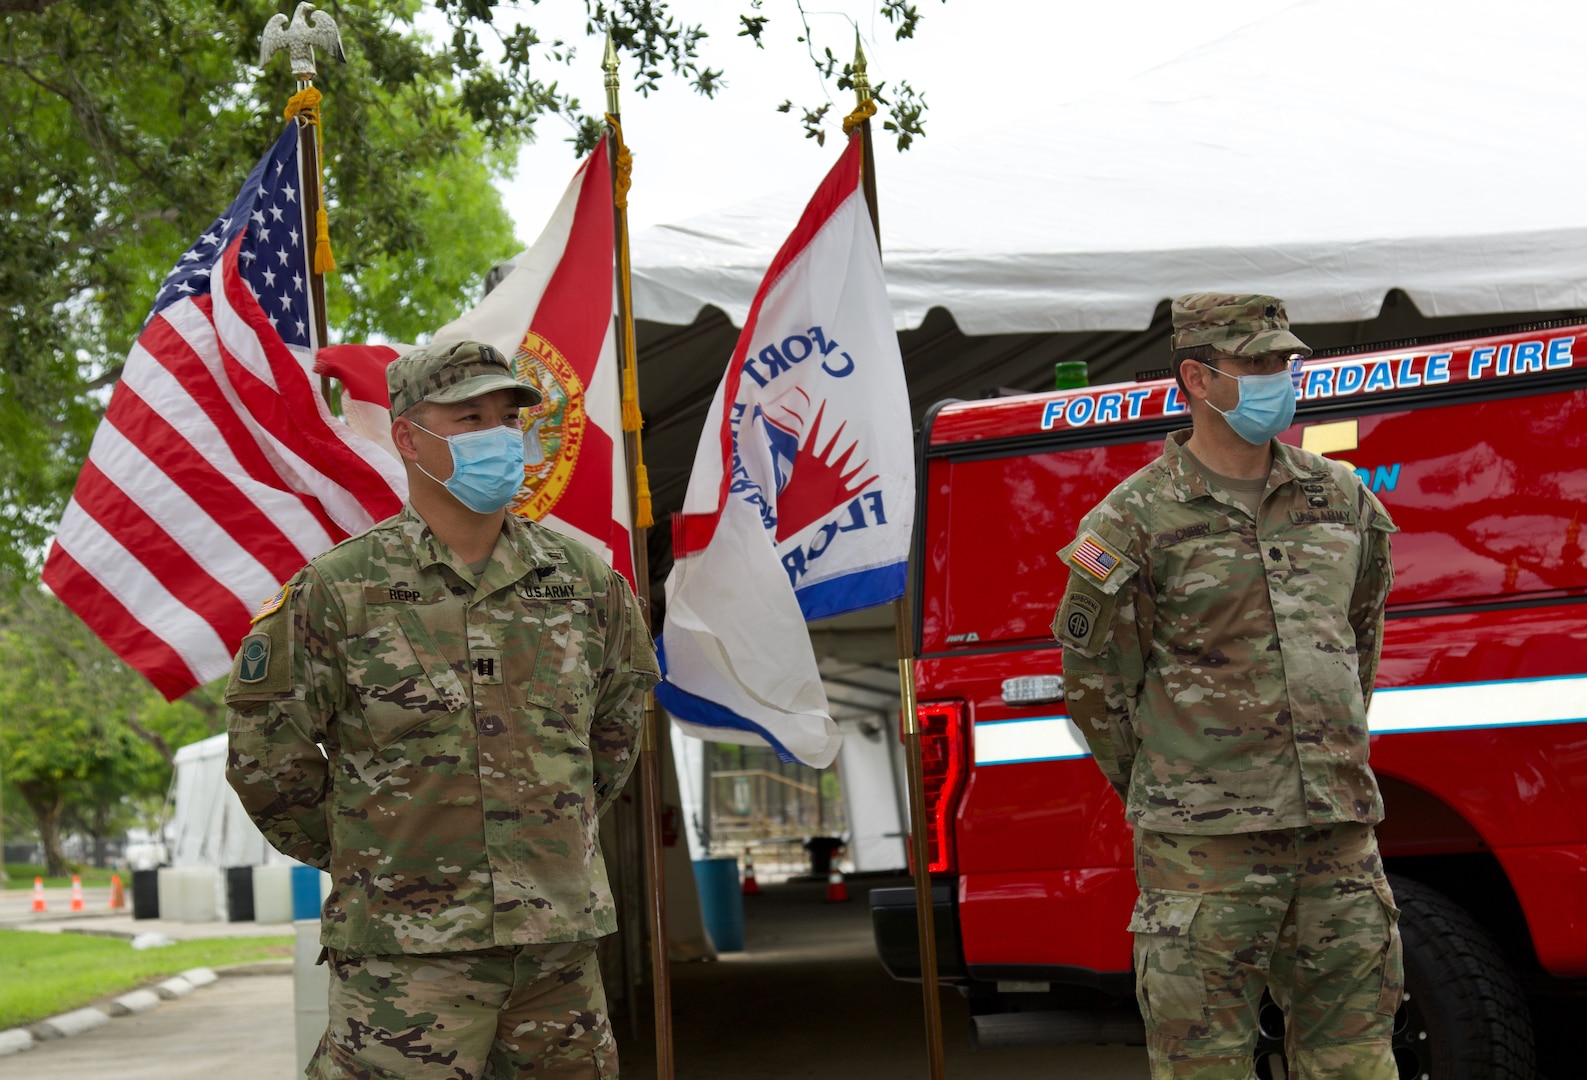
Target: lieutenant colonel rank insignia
(272,604)
(1094,559)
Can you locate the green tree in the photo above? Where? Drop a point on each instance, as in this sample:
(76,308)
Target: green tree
(82,737)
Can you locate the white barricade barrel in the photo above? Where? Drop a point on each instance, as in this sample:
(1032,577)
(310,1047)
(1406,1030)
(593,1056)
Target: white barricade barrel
(272,893)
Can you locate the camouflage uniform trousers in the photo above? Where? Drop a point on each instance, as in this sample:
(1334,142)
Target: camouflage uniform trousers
(524,1011)
(1305,913)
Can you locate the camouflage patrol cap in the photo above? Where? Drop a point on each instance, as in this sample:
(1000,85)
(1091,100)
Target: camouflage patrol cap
(452,372)
(1234,324)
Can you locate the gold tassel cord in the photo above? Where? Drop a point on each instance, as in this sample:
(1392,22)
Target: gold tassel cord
(644,519)
(306,104)
(862,112)
(625,166)
(633,419)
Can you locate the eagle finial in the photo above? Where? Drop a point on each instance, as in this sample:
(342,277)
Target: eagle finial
(310,29)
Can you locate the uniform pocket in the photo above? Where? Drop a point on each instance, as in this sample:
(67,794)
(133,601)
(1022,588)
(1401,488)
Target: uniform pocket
(558,674)
(400,679)
(1169,984)
(1392,992)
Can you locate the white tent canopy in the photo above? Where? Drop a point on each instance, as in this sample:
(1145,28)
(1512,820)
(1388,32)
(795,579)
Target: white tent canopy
(209,826)
(1327,154)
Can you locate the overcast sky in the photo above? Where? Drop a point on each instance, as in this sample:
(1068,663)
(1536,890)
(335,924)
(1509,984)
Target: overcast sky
(977,61)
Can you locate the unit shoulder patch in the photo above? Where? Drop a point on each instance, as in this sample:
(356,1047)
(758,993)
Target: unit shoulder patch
(262,669)
(1078,619)
(272,605)
(253,658)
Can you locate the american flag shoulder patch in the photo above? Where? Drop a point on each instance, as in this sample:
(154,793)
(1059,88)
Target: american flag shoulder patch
(1091,556)
(272,604)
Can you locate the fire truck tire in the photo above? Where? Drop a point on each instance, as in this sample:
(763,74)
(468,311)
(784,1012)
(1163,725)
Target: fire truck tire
(1461,993)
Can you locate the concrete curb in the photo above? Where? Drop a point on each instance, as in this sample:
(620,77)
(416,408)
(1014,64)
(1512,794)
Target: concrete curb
(73,1023)
(138,1001)
(173,988)
(77,1021)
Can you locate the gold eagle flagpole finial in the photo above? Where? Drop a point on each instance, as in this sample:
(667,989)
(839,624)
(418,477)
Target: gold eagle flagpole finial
(309,29)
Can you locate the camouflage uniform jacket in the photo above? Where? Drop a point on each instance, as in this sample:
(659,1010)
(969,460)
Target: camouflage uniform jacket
(1220,667)
(471,735)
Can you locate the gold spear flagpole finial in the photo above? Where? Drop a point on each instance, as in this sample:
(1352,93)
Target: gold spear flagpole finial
(609,65)
(862,81)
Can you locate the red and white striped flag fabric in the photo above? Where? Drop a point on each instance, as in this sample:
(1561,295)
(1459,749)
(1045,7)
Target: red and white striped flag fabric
(553,314)
(217,471)
(366,403)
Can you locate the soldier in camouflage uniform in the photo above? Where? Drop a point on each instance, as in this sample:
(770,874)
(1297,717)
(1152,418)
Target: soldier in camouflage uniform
(1221,631)
(476,682)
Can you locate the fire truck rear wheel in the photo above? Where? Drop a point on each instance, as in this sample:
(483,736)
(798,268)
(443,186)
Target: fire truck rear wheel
(1465,1017)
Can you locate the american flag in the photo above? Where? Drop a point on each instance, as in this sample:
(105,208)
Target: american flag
(217,471)
(1095,558)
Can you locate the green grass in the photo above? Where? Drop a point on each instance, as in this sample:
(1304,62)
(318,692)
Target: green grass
(45,974)
(21,875)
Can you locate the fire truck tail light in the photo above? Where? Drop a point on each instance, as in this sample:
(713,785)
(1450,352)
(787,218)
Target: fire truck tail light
(943,745)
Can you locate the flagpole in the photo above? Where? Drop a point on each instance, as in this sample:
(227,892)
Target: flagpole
(301,37)
(313,203)
(920,859)
(639,505)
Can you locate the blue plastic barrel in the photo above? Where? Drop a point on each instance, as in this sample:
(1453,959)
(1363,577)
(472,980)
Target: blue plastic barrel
(721,902)
(305,892)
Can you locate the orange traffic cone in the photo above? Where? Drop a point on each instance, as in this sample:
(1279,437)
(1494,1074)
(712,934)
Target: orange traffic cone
(837,892)
(751,886)
(77,893)
(38,895)
(118,898)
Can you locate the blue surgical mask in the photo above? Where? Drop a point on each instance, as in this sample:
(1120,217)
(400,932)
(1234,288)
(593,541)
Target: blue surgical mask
(487,467)
(1266,406)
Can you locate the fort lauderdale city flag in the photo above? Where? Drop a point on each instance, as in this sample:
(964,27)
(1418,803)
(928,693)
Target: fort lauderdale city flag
(553,314)
(217,471)
(802,497)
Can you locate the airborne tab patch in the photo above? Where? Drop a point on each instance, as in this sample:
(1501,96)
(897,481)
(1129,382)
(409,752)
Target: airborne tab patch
(1077,620)
(270,605)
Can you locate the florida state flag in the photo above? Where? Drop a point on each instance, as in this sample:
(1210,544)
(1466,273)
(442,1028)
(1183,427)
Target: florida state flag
(553,314)
(801,501)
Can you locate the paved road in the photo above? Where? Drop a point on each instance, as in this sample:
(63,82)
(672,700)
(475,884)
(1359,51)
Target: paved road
(18,903)
(806,1000)
(240,1028)
(16,913)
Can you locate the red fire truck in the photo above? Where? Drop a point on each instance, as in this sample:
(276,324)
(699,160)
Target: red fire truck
(1478,447)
